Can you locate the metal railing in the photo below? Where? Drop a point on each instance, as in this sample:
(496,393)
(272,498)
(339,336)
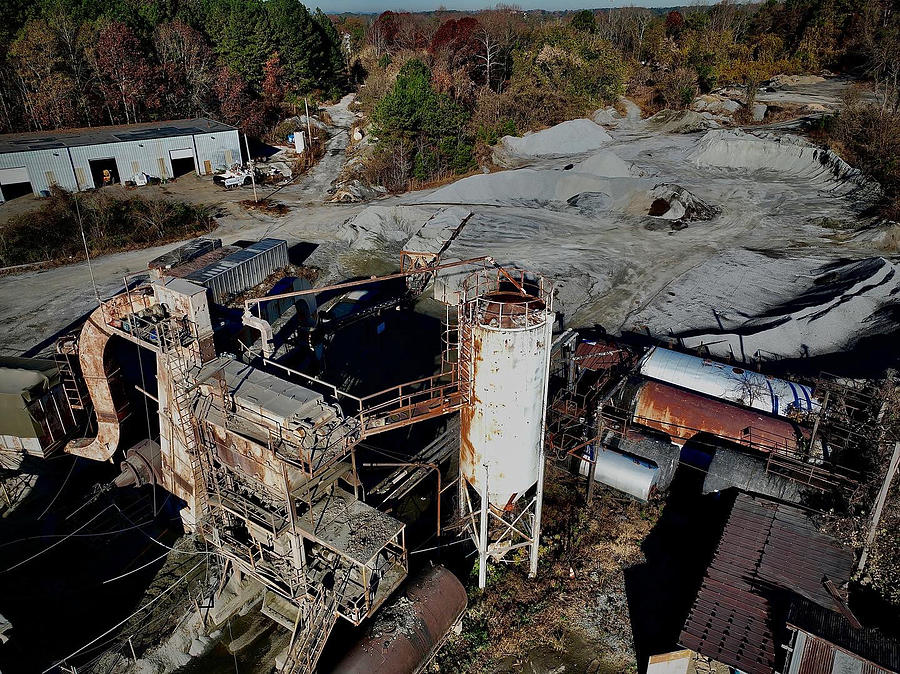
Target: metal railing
(508,299)
(409,402)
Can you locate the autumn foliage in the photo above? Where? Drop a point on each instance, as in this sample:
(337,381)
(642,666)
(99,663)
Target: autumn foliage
(83,64)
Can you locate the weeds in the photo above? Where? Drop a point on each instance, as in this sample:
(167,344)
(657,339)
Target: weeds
(583,554)
(52,234)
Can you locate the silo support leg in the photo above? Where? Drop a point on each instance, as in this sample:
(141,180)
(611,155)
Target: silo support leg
(538,502)
(483,534)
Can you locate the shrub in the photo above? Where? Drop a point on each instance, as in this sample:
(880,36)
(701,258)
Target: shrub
(52,233)
(869,138)
(421,132)
(678,87)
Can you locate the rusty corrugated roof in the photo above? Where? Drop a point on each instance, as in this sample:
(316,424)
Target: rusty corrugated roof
(834,631)
(768,552)
(600,354)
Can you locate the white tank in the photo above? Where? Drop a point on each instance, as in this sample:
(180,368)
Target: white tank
(628,474)
(505,338)
(728,382)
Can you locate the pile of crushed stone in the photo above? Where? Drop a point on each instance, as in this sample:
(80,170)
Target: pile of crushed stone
(681,121)
(569,138)
(785,154)
(759,306)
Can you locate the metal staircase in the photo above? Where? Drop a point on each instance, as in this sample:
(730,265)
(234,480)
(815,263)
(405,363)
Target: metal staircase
(310,637)
(183,397)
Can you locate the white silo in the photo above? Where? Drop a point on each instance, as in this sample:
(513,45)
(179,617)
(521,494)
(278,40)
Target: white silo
(505,332)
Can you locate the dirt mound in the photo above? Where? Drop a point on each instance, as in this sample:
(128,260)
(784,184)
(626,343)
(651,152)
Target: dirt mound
(604,163)
(383,225)
(751,305)
(602,172)
(717,104)
(672,202)
(785,154)
(681,121)
(782,80)
(568,138)
(607,117)
(533,188)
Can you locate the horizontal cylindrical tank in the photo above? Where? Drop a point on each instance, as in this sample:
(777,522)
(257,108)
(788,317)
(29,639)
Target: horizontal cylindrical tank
(628,474)
(505,344)
(409,628)
(732,383)
(682,415)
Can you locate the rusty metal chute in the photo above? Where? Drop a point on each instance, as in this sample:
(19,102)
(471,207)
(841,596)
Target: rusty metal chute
(92,344)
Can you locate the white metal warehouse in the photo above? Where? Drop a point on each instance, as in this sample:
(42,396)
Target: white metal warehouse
(76,159)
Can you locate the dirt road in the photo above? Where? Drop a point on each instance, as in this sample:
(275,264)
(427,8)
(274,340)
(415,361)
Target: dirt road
(35,306)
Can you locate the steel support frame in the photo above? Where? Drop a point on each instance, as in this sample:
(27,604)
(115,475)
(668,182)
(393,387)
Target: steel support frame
(505,535)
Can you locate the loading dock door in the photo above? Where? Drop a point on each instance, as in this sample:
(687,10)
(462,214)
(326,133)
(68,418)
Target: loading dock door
(182,162)
(14,182)
(104,168)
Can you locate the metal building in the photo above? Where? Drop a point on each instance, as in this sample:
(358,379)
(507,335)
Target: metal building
(76,159)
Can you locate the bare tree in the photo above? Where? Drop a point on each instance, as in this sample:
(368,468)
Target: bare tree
(881,37)
(375,37)
(184,54)
(72,39)
(488,54)
(639,20)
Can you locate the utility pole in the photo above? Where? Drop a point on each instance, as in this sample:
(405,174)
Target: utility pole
(252,167)
(879,505)
(308,124)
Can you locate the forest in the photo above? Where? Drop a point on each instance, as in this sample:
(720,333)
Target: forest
(442,87)
(71,63)
(439,87)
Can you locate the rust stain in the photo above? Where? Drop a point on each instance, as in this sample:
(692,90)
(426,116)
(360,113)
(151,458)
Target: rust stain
(682,415)
(92,357)
(466,450)
(246,457)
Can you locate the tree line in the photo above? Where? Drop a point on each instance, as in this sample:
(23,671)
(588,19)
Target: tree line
(441,87)
(66,63)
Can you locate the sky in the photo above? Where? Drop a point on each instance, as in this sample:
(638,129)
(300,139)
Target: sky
(338,6)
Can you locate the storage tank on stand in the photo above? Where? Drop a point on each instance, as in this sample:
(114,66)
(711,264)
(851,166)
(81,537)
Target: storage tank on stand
(505,331)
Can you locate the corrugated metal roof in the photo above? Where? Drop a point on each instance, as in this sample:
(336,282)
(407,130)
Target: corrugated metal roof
(599,355)
(47,140)
(767,552)
(184,253)
(816,657)
(835,631)
(211,257)
(234,259)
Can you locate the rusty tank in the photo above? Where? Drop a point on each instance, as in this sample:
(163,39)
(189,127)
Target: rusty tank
(682,415)
(409,628)
(505,337)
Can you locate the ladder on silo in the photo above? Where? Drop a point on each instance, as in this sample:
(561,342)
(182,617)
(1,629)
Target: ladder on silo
(464,361)
(309,639)
(183,397)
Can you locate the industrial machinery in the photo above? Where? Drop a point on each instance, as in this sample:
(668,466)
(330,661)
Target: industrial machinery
(263,456)
(757,432)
